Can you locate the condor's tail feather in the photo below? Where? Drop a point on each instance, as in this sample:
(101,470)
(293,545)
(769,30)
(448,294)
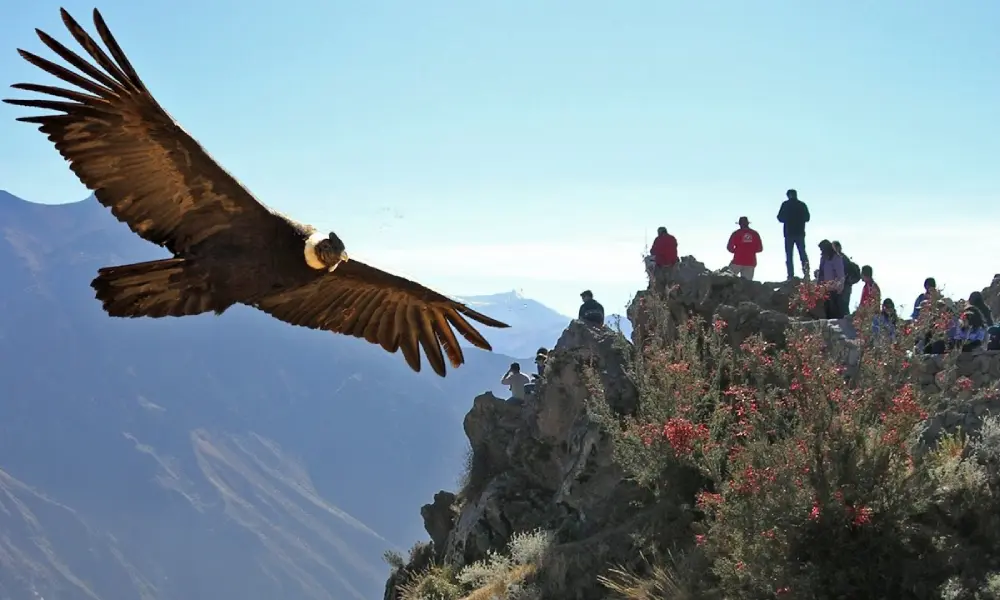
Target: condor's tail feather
(171,287)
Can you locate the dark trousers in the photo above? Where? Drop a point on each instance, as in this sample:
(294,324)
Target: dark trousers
(845,300)
(833,306)
(796,241)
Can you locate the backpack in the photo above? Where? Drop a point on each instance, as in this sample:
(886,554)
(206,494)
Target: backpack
(993,338)
(852,271)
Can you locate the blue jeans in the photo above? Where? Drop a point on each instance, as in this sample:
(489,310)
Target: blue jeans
(796,241)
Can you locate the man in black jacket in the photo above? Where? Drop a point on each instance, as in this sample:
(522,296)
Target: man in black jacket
(591,311)
(794,214)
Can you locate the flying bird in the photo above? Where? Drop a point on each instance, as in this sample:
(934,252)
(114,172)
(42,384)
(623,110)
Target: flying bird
(228,248)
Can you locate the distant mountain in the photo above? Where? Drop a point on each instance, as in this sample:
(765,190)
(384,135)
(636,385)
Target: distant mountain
(533,325)
(202,457)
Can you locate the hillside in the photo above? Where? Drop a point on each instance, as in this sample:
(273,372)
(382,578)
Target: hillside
(227,457)
(737,448)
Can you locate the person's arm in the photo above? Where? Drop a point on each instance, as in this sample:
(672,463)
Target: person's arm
(805,212)
(731,246)
(506,378)
(783,212)
(582,308)
(916,306)
(759,246)
(838,269)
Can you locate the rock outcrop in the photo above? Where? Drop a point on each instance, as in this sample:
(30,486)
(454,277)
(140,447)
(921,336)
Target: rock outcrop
(545,463)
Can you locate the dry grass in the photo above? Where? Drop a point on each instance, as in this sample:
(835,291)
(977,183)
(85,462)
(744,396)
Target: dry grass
(498,589)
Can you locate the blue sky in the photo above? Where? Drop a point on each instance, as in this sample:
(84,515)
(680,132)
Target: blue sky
(536,145)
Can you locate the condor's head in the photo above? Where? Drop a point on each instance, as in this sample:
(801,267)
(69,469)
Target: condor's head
(325,253)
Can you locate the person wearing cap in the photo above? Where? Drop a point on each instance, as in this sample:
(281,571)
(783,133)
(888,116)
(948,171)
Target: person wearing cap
(793,215)
(744,244)
(591,311)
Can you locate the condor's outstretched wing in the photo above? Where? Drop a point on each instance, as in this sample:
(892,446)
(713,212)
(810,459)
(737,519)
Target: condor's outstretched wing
(384,309)
(139,162)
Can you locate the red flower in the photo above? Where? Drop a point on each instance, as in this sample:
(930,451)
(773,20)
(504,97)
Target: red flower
(683,434)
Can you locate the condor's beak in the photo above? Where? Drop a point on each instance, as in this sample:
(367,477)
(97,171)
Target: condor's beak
(343,258)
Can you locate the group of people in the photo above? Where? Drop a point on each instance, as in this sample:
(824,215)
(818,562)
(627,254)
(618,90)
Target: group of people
(973,325)
(520,384)
(745,243)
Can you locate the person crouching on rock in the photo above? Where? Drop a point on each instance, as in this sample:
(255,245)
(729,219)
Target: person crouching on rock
(831,275)
(591,311)
(885,321)
(516,380)
(744,244)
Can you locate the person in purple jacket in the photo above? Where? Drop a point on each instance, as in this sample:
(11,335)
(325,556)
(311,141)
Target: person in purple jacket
(831,275)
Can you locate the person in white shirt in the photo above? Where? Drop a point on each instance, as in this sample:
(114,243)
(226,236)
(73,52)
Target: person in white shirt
(516,380)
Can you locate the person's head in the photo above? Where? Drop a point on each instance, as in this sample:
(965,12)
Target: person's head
(744,222)
(837,246)
(866,273)
(888,306)
(661,231)
(587,295)
(930,284)
(792,195)
(515,367)
(826,248)
(976,299)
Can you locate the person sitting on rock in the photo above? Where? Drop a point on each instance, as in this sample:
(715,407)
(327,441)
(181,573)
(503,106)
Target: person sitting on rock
(793,215)
(972,328)
(976,299)
(516,380)
(831,275)
(852,275)
(929,295)
(663,252)
(591,311)
(871,294)
(744,244)
(885,321)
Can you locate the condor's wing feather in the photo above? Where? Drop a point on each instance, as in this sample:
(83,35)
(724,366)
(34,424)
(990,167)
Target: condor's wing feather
(384,309)
(138,161)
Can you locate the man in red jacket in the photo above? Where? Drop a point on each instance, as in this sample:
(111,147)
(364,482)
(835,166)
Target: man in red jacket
(664,248)
(744,244)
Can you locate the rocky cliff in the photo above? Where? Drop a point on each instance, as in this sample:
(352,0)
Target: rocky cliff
(547,466)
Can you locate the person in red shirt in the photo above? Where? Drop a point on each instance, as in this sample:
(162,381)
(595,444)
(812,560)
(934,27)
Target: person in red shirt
(664,248)
(871,293)
(744,243)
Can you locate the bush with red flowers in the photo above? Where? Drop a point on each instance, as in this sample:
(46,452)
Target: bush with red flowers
(801,480)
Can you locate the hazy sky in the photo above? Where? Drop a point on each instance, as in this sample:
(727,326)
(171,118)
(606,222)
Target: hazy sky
(536,145)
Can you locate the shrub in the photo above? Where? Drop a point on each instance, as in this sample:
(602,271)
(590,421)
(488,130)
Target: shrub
(802,476)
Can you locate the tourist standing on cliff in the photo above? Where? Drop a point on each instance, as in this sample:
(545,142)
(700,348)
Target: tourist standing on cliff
(663,252)
(831,275)
(871,293)
(744,244)
(852,275)
(793,215)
